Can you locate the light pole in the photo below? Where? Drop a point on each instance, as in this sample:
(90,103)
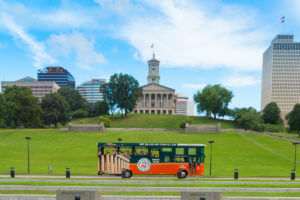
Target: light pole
(28,138)
(295,143)
(211,142)
(119,139)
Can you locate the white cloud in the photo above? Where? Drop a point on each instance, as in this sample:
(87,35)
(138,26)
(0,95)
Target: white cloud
(193,34)
(240,81)
(37,49)
(66,44)
(193,86)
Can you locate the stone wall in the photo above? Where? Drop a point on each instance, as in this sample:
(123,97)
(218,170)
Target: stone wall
(86,127)
(203,128)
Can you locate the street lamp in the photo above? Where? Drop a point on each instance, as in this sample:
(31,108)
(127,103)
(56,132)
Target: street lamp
(295,143)
(119,139)
(28,138)
(211,142)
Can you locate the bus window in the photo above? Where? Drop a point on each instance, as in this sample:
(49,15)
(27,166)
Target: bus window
(179,159)
(126,151)
(166,149)
(192,151)
(140,151)
(179,151)
(110,151)
(155,153)
(167,158)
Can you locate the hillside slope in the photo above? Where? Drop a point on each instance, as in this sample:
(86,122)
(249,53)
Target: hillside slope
(154,121)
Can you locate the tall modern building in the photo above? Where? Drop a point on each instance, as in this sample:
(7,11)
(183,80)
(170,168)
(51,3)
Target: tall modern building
(90,90)
(281,74)
(184,106)
(57,74)
(38,88)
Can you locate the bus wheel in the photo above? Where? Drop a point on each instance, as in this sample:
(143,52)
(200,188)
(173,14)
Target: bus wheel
(181,174)
(126,174)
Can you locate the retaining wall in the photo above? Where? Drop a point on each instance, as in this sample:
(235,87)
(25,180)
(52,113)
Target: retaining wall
(86,127)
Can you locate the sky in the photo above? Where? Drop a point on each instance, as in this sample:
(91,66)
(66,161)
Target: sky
(197,42)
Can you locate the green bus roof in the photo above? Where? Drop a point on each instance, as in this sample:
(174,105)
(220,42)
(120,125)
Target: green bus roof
(151,144)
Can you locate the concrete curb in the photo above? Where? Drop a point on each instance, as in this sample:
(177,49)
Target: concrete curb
(146,189)
(114,197)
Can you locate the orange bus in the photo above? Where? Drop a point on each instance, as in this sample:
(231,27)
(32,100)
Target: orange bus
(128,159)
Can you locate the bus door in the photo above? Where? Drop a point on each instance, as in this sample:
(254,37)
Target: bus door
(192,160)
(166,154)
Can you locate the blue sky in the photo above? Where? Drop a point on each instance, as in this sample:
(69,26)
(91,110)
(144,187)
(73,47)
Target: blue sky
(197,42)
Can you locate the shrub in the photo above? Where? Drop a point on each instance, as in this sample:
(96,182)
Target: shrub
(186,121)
(80,113)
(106,121)
(274,128)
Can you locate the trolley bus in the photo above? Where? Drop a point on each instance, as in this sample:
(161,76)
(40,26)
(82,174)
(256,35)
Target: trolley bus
(128,159)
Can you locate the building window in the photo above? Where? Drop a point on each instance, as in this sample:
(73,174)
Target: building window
(153,70)
(153,80)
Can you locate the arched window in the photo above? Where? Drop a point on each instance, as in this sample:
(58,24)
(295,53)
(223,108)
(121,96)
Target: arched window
(153,70)
(153,80)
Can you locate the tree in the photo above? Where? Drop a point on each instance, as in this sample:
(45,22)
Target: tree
(21,108)
(237,113)
(121,91)
(109,91)
(55,109)
(213,100)
(74,99)
(248,120)
(294,119)
(271,114)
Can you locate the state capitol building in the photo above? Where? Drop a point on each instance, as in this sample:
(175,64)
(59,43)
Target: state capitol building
(156,98)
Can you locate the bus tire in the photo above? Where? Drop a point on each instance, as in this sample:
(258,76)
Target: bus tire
(126,174)
(181,174)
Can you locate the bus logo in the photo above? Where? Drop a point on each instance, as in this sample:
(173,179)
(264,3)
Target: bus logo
(144,164)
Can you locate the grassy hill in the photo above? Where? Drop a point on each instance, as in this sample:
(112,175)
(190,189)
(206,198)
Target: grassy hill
(253,155)
(154,121)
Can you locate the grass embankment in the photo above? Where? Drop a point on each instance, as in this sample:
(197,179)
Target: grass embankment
(253,155)
(154,121)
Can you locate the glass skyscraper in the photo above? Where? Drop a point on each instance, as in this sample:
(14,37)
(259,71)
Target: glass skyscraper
(281,74)
(57,74)
(90,90)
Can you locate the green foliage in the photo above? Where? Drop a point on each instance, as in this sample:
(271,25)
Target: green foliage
(55,109)
(294,119)
(98,108)
(80,113)
(186,121)
(274,128)
(105,120)
(248,120)
(271,114)
(122,91)
(19,108)
(213,100)
(237,113)
(73,98)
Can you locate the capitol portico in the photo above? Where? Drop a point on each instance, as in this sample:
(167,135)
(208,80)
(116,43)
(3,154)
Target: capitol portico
(156,99)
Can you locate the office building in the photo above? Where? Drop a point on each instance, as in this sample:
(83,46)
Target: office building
(38,88)
(57,74)
(184,106)
(156,98)
(90,90)
(281,74)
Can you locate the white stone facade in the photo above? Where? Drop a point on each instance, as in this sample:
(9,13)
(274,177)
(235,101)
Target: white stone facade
(156,99)
(38,88)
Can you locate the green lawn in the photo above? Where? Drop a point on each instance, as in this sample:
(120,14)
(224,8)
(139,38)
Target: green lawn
(253,155)
(290,135)
(154,121)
